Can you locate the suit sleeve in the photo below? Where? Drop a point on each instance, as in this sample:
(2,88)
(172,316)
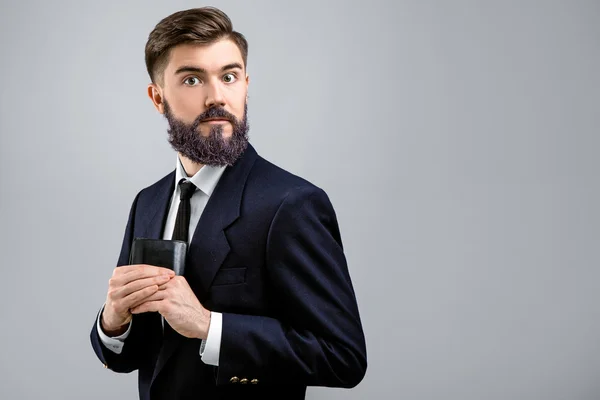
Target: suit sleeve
(128,359)
(316,338)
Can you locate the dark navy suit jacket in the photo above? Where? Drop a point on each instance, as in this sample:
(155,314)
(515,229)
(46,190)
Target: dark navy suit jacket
(266,253)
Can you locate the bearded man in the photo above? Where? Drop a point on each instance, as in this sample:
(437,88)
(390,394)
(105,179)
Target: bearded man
(266,304)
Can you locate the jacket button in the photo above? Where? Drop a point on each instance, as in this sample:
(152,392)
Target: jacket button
(243,381)
(234,379)
(254,381)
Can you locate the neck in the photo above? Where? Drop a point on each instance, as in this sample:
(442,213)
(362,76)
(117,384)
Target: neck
(189,166)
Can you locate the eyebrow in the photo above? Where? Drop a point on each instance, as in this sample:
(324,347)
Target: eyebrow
(192,68)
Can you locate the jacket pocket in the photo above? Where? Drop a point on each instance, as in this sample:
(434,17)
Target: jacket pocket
(230,276)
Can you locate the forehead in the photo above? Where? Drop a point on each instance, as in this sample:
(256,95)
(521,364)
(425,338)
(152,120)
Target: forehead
(210,57)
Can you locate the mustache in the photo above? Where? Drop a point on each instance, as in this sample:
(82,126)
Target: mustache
(215,112)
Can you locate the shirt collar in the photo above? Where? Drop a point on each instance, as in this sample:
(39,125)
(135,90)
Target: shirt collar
(205,179)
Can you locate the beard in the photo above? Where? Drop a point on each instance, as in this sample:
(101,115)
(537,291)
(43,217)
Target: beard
(213,149)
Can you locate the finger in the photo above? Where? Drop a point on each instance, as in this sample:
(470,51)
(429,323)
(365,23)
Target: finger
(125,269)
(150,269)
(156,296)
(137,297)
(142,271)
(145,270)
(151,306)
(140,284)
(122,305)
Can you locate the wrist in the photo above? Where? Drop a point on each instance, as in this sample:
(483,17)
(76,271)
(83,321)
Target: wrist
(203,324)
(112,330)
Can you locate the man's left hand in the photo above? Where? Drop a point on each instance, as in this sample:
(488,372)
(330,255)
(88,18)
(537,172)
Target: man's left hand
(178,304)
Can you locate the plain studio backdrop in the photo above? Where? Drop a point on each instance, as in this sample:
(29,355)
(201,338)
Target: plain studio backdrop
(458,142)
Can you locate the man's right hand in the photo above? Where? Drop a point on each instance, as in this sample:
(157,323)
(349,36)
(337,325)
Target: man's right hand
(128,287)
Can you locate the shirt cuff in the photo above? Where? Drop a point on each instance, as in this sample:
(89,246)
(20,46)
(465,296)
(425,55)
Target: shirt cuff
(114,344)
(211,347)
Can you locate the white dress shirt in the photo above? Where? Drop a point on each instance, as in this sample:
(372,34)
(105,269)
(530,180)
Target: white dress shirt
(205,180)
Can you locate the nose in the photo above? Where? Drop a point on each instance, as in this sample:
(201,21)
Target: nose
(214,97)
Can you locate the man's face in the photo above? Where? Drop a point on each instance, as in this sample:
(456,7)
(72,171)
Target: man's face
(203,97)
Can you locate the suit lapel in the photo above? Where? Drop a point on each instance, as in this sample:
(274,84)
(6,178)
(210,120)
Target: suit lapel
(153,221)
(209,245)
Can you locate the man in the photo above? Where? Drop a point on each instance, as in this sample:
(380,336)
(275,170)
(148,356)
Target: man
(266,304)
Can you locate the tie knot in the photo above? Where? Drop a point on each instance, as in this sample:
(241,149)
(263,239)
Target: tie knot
(187,189)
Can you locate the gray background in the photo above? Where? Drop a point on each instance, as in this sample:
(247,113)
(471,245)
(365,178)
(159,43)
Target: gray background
(457,141)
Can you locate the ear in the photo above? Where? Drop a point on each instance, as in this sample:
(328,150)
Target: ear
(155,94)
(247,83)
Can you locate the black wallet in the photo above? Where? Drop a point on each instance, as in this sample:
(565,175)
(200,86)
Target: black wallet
(161,253)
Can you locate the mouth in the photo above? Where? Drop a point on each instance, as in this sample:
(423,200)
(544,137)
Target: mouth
(215,121)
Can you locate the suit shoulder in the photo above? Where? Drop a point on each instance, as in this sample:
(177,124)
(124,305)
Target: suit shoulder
(279,182)
(157,186)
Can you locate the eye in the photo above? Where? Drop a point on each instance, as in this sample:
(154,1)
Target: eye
(229,78)
(192,81)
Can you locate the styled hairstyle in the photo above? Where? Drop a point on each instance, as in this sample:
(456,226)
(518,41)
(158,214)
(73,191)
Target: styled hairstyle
(204,25)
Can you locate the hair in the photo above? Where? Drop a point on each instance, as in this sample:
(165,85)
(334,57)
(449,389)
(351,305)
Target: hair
(205,25)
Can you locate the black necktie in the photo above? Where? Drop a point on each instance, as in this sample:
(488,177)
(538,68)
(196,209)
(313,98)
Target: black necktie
(182,224)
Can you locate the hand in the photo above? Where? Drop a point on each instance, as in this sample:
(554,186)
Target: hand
(178,304)
(128,287)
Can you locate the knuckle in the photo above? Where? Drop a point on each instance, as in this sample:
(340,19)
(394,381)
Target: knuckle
(111,294)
